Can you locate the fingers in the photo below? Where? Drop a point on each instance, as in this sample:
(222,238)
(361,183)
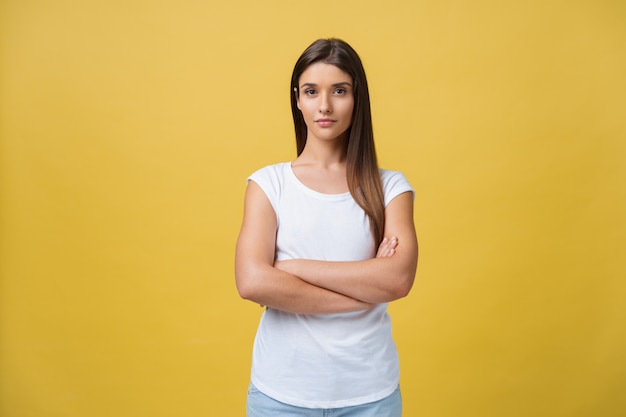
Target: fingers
(387,247)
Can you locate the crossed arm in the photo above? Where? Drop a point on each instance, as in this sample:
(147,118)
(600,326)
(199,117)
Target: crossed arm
(318,287)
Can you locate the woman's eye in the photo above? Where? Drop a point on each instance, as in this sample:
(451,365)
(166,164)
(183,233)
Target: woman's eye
(340,91)
(309,92)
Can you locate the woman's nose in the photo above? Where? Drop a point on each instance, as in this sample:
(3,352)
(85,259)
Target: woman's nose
(325,105)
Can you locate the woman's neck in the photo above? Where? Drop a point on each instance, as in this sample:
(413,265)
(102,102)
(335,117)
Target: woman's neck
(324,155)
(322,168)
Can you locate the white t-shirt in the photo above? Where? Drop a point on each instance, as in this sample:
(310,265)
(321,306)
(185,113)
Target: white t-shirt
(323,360)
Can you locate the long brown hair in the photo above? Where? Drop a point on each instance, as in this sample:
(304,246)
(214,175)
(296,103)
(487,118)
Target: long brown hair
(363,175)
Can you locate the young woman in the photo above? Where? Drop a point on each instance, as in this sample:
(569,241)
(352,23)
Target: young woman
(326,242)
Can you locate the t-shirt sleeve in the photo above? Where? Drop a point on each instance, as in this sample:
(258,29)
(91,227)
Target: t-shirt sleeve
(268,179)
(394,184)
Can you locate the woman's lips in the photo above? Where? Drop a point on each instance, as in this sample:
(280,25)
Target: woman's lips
(325,122)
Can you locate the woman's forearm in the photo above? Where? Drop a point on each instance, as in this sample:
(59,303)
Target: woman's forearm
(374,280)
(278,289)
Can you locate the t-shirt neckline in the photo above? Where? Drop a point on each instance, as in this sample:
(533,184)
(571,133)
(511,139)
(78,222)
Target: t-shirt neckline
(292,176)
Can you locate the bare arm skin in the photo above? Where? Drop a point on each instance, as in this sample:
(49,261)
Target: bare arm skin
(381,279)
(258,280)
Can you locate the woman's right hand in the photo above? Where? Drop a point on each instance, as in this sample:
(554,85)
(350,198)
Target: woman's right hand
(387,247)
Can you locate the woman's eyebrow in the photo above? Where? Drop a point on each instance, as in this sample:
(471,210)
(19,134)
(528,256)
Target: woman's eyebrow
(341,84)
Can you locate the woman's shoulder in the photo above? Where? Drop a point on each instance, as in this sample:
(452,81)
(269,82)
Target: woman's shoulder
(387,175)
(271,178)
(394,183)
(272,170)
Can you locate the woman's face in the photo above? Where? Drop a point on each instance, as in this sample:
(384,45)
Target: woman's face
(326,101)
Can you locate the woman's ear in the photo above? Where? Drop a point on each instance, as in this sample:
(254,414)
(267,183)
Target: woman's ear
(295,91)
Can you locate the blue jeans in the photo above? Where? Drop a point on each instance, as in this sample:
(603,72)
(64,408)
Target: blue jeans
(260,405)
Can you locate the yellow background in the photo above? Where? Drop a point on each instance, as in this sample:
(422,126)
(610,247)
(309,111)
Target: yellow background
(127,131)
